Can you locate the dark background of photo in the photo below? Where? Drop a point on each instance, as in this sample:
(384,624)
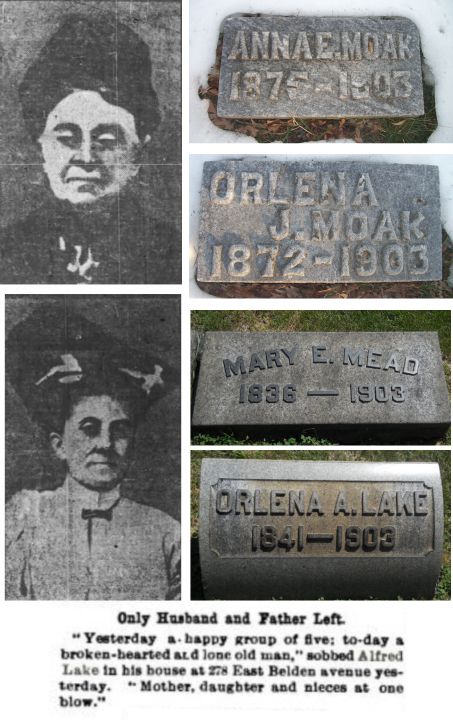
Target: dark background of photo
(138,321)
(25,27)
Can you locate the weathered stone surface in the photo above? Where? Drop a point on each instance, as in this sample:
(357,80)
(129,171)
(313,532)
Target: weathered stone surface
(264,221)
(294,529)
(340,381)
(282,67)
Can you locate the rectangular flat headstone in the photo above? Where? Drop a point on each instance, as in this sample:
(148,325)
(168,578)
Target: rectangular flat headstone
(304,530)
(320,67)
(265,221)
(351,382)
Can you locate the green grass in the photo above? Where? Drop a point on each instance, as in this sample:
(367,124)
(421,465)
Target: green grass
(443,589)
(328,321)
(229,438)
(409,130)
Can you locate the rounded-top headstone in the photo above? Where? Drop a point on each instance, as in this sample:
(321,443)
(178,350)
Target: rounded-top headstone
(306,530)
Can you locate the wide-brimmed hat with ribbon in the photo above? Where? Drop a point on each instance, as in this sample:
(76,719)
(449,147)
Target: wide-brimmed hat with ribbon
(55,356)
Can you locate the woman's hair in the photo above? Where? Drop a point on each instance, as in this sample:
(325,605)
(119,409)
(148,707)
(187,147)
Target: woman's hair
(62,400)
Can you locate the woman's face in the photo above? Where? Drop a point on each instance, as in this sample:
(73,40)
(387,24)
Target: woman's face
(89,147)
(96,442)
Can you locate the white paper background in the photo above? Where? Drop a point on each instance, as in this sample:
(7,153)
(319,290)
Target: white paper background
(33,633)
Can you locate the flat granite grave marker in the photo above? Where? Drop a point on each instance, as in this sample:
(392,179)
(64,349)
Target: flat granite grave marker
(346,383)
(265,221)
(306,530)
(320,67)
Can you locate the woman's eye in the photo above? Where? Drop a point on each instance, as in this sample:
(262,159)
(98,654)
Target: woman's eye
(121,431)
(66,138)
(107,136)
(90,429)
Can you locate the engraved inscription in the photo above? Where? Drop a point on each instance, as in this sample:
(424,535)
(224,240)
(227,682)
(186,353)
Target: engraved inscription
(352,538)
(320,46)
(349,356)
(385,382)
(242,261)
(273,222)
(266,359)
(294,518)
(268,393)
(377,393)
(295,85)
(297,66)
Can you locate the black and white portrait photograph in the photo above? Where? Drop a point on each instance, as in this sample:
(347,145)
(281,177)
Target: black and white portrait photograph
(90,142)
(92,447)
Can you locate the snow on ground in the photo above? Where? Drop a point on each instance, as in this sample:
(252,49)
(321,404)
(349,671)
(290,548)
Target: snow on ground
(444,162)
(434,19)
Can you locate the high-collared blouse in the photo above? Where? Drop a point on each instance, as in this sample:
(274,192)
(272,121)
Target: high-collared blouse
(76,544)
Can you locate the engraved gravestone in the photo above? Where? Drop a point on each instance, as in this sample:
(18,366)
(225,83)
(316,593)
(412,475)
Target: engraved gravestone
(283,67)
(265,221)
(306,530)
(350,383)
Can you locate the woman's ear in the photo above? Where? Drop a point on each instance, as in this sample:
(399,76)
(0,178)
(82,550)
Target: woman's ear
(57,445)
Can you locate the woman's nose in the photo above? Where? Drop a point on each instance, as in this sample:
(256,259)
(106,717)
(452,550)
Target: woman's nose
(104,439)
(85,152)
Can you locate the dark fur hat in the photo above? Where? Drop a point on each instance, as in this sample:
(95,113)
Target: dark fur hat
(96,54)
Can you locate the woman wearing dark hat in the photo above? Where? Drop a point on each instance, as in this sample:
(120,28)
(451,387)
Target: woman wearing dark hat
(85,540)
(89,104)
